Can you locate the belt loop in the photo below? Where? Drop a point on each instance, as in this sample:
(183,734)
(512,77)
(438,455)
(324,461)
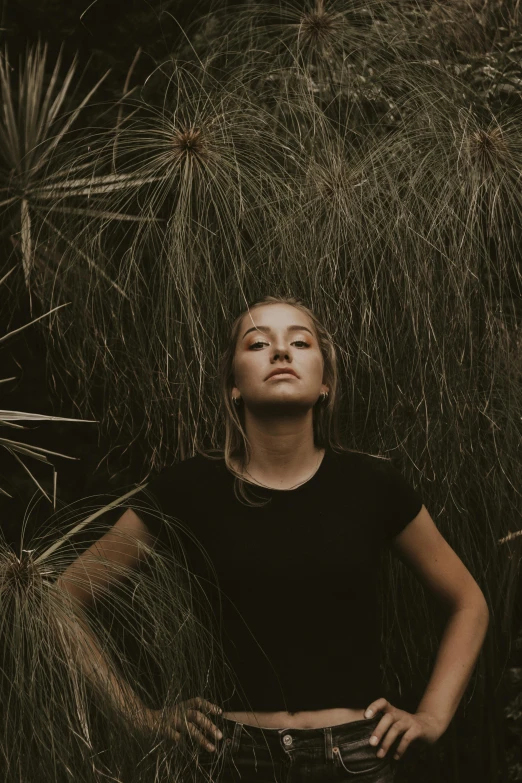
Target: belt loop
(328,743)
(236,737)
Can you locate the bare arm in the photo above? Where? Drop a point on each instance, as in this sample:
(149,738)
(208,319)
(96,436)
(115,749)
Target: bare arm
(83,649)
(105,562)
(423,549)
(90,575)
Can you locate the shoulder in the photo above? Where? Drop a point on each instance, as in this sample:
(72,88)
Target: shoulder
(371,471)
(360,461)
(375,463)
(183,475)
(386,474)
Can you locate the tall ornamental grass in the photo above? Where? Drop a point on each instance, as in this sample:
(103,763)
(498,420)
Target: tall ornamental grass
(365,158)
(148,630)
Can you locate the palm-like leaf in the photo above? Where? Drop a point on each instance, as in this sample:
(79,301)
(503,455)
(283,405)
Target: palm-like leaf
(35,121)
(207,179)
(7,419)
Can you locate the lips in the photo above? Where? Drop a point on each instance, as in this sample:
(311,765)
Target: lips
(282,372)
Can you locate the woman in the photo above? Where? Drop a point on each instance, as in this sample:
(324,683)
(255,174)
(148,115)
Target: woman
(294,524)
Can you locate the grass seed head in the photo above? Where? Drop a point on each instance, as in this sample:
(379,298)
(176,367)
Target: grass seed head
(488,149)
(19,574)
(189,143)
(319,28)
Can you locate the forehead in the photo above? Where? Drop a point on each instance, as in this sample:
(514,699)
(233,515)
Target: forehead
(275,315)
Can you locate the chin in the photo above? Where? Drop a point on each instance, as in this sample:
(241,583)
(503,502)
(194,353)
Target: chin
(272,406)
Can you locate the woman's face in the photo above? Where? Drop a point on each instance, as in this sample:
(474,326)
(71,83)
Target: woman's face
(277,336)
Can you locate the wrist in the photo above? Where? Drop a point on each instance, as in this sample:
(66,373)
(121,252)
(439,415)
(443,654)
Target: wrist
(160,723)
(440,722)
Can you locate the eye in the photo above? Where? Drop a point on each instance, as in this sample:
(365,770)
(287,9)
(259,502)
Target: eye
(259,342)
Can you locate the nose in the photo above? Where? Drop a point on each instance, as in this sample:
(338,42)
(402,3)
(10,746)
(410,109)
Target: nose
(281,352)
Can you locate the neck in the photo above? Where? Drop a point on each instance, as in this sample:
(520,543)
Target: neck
(280,448)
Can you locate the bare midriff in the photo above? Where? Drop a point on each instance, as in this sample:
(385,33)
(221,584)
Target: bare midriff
(305,719)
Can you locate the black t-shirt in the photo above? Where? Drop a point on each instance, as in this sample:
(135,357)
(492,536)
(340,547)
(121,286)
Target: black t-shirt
(297,577)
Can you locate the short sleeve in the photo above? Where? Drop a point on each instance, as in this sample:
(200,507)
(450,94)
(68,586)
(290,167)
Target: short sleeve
(399,503)
(161,495)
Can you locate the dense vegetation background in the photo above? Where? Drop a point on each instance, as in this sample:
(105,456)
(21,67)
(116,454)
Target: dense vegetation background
(364,156)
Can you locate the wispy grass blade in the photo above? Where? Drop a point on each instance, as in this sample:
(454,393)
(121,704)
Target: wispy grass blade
(36,451)
(22,416)
(24,466)
(91,518)
(5,337)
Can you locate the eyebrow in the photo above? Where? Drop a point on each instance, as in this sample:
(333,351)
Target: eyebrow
(293,328)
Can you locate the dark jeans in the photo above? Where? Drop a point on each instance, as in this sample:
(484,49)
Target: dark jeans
(335,754)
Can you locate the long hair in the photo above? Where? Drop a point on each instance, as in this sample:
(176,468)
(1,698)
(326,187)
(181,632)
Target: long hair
(325,414)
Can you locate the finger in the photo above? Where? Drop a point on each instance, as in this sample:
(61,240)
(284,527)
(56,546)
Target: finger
(405,742)
(173,734)
(165,730)
(199,737)
(381,729)
(203,704)
(205,723)
(390,737)
(376,706)
(182,721)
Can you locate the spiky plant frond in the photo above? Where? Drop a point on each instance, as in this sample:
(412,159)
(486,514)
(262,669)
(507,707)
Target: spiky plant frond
(340,51)
(35,120)
(39,115)
(19,449)
(210,178)
(319,34)
(458,171)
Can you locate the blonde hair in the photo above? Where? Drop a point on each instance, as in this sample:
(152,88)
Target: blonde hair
(325,417)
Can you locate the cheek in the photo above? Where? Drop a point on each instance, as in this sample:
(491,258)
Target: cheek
(316,366)
(244,368)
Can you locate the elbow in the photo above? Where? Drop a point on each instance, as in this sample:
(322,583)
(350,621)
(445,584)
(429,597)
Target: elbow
(483,616)
(480,604)
(472,600)
(475,603)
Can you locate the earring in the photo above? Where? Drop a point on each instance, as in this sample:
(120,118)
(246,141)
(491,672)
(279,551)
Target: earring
(235,400)
(324,396)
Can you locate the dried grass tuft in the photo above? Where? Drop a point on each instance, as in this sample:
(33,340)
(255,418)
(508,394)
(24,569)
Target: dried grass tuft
(62,663)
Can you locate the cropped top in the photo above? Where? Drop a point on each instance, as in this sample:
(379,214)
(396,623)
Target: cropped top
(296,577)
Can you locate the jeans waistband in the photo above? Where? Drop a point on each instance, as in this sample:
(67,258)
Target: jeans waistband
(236,734)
